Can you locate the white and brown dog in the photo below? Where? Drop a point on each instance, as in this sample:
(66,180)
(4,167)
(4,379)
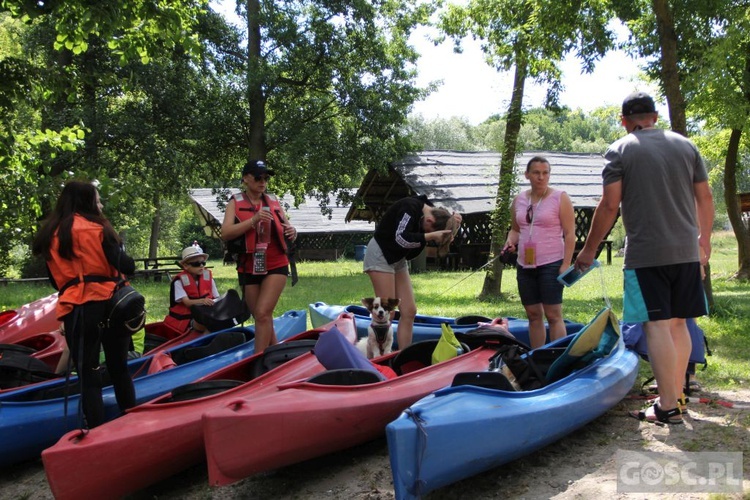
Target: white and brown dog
(379,340)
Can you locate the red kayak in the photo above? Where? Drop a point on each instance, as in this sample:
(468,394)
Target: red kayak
(164,436)
(309,418)
(29,319)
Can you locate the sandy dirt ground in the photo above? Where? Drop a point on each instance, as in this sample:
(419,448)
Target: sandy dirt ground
(580,466)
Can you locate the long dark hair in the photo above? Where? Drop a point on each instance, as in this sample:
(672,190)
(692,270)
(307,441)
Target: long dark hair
(77,197)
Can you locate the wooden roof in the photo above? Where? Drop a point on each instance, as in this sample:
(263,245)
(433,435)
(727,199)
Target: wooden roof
(307,218)
(466,182)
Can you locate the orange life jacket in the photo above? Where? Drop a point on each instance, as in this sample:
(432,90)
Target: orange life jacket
(179,314)
(88,276)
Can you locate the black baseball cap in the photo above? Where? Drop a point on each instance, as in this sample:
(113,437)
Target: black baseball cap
(638,103)
(256,168)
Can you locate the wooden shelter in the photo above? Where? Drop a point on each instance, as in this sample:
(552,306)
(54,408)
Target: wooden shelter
(466,182)
(320,236)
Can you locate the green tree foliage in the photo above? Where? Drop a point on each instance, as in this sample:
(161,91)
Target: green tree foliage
(542,130)
(327,88)
(532,37)
(719,85)
(64,64)
(450,134)
(698,52)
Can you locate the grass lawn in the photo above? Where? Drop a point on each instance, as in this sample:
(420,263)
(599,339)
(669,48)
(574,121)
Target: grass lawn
(455,294)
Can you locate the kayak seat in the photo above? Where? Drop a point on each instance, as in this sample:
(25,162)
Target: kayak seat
(471,320)
(278,354)
(594,341)
(227,312)
(345,376)
(544,357)
(198,390)
(16,348)
(490,380)
(417,356)
(487,335)
(18,369)
(414,357)
(152,341)
(220,343)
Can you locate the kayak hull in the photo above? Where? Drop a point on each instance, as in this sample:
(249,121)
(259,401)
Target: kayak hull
(34,417)
(35,317)
(304,419)
(161,437)
(481,428)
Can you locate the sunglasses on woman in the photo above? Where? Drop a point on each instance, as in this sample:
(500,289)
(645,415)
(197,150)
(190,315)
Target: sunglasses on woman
(198,263)
(530,213)
(259,178)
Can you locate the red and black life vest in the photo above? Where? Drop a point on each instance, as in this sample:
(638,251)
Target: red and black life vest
(179,314)
(244,209)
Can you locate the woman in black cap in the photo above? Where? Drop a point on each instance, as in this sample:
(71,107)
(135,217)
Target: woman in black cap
(257,219)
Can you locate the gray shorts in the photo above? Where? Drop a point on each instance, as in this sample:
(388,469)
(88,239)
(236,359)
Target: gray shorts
(375,261)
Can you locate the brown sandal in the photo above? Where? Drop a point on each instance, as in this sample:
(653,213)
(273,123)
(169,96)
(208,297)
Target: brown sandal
(673,416)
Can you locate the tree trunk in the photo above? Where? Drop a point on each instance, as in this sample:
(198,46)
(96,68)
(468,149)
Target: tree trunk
(501,215)
(669,71)
(670,76)
(741,231)
(153,243)
(256,99)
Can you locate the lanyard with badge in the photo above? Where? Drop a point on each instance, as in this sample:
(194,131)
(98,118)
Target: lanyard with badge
(529,253)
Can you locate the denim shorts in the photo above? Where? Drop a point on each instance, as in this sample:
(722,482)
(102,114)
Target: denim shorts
(539,285)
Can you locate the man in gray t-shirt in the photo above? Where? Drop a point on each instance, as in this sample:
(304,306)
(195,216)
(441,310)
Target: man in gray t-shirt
(659,179)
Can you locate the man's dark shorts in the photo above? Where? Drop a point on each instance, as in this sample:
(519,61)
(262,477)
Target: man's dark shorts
(539,285)
(663,292)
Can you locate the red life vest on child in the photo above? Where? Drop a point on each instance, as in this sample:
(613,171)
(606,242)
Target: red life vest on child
(179,314)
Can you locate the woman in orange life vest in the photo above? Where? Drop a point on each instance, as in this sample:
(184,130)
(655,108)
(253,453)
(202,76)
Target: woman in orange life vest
(264,267)
(85,259)
(193,286)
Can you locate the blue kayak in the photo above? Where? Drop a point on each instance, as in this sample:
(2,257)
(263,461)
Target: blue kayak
(34,417)
(462,430)
(425,327)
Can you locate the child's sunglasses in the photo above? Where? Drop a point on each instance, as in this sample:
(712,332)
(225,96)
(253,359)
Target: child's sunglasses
(197,263)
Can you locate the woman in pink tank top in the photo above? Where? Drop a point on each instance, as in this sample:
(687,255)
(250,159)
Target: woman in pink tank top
(544,234)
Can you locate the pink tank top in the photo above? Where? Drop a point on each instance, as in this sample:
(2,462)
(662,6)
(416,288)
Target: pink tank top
(546,231)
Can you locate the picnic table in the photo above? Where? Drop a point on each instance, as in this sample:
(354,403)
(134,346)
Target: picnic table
(157,267)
